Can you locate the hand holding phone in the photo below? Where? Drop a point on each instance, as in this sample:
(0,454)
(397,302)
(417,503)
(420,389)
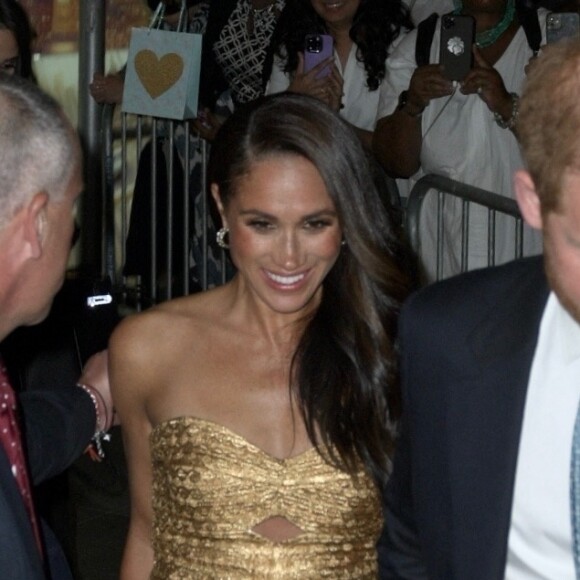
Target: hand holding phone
(318,48)
(456,45)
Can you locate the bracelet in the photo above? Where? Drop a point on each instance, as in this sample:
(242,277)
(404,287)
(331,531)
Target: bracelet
(103,421)
(511,122)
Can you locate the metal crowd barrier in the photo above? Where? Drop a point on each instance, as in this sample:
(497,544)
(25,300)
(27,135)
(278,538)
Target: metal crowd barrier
(444,189)
(122,150)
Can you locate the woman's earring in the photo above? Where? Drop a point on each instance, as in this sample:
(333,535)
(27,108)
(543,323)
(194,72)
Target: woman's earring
(221,238)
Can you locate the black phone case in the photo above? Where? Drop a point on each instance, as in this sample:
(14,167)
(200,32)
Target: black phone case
(456,46)
(560,25)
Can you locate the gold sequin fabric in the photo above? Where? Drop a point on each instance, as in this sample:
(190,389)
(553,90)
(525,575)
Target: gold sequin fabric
(211,487)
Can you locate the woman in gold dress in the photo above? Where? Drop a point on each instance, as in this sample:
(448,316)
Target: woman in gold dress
(257,415)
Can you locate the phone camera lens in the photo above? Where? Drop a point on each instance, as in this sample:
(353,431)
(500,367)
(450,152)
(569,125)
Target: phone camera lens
(448,21)
(314,44)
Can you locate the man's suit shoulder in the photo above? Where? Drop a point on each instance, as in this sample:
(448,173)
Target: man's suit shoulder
(471,293)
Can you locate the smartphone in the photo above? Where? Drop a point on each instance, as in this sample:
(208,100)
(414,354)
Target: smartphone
(561,25)
(456,45)
(318,47)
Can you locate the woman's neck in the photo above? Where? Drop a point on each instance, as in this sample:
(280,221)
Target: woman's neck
(494,28)
(340,32)
(485,20)
(493,52)
(488,19)
(281,330)
(342,42)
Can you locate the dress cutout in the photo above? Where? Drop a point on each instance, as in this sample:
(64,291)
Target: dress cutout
(211,487)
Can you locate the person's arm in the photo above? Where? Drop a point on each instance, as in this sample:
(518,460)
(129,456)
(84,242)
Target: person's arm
(58,424)
(398,137)
(486,82)
(108,88)
(396,143)
(366,137)
(57,427)
(399,548)
(131,378)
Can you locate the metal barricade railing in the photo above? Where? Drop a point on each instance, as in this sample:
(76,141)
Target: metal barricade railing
(169,259)
(467,196)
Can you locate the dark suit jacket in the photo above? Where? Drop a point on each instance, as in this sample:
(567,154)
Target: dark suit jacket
(467,348)
(57,425)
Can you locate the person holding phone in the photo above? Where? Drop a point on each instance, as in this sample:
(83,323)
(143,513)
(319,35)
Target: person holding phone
(361,31)
(463,130)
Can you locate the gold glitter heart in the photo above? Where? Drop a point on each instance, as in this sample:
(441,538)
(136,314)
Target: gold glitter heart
(158,75)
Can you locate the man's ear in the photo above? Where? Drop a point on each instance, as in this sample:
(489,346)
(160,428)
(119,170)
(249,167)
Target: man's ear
(215,192)
(35,223)
(528,200)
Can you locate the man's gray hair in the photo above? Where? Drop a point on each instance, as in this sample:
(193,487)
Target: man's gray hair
(37,146)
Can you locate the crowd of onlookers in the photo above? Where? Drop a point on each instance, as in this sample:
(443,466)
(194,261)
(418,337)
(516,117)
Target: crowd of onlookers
(411,119)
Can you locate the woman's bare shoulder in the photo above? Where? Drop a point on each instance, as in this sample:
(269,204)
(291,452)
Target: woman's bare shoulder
(167,324)
(150,351)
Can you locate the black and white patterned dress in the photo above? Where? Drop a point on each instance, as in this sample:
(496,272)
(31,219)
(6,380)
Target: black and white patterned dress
(242,46)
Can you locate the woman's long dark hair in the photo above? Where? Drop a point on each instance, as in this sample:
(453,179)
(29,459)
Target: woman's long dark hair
(377,23)
(344,369)
(13,17)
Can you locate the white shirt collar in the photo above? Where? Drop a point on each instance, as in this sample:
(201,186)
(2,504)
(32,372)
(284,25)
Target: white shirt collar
(567,331)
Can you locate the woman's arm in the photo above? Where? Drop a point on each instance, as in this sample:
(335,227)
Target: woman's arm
(398,137)
(485,81)
(132,377)
(396,143)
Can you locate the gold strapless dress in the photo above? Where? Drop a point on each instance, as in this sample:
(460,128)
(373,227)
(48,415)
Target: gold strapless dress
(211,487)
